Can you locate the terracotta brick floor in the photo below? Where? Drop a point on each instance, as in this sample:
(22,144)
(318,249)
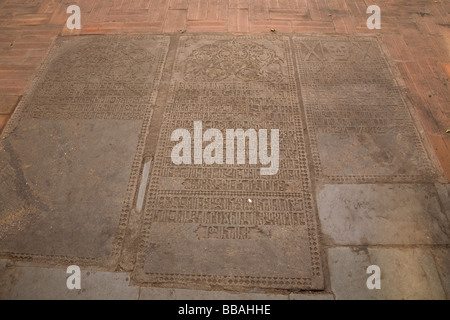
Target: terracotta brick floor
(414,33)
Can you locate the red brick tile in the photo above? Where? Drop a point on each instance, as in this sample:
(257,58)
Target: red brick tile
(206,26)
(441,147)
(142,27)
(238,20)
(397,47)
(223,10)
(266,25)
(301,3)
(31,19)
(340,25)
(15,74)
(357,9)
(446,67)
(3,121)
(157,10)
(197,10)
(239,4)
(217,10)
(258,10)
(337,6)
(178,4)
(176,20)
(312,27)
(288,14)
(135,17)
(213,10)
(8,103)
(427,25)
(60,15)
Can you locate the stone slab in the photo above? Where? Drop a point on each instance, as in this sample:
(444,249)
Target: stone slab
(33,283)
(360,128)
(311,296)
(63,187)
(71,154)
(210,226)
(406,274)
(185,294)
(444,195)
(384,214)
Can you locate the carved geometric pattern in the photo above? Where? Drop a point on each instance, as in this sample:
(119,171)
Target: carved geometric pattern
(360,128)
(226,225)
(93,92)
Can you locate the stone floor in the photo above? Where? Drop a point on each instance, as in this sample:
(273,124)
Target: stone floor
(85,150)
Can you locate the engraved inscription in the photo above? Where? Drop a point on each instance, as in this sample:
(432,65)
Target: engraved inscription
(227,218)
(359,126)
(101,77)
(56,206)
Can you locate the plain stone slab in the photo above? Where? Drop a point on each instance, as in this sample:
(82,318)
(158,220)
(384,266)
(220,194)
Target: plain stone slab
(442,258)
(33,283)
(312,296)
(148,293)
(382,214)
(444,195)
(70,154)
(360,128)
(405,273)
(64,187)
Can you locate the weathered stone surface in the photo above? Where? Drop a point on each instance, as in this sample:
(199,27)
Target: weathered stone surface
(71,154)
(64,187)
(43,284)
(311,296)
(227,225)
(442,258)
(359,126)
(405,274)
(185,294)
(444,195)
(369,214)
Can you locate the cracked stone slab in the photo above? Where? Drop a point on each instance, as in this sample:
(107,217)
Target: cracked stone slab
(71,154)
(360,128)
(444,195)
(210,226)
(406,274)
(369,214)
(442,258)
(33,283)
(311,296)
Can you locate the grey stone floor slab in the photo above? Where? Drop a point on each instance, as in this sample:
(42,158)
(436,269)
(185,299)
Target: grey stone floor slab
(185,294)
(227,225)
(362,214)
(44,284)
(442,258)
(71,153)
(360,128)
(405,273)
